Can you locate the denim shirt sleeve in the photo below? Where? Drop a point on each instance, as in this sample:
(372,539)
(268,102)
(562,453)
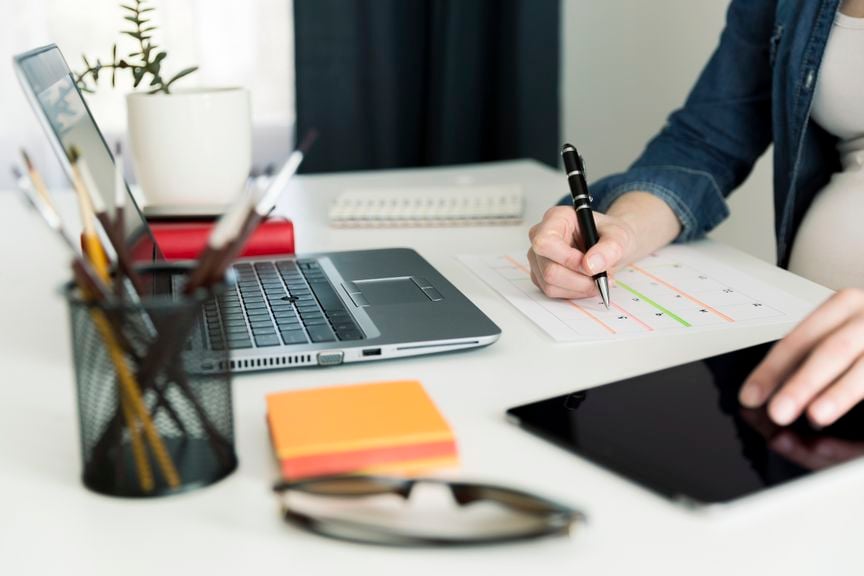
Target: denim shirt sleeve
(709,146)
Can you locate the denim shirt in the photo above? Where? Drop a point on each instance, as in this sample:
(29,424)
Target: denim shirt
(756,90)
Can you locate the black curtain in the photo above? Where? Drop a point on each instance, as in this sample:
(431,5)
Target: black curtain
(399,83)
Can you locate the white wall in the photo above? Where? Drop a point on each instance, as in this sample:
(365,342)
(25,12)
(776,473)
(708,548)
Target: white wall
(627,65)
(234,42)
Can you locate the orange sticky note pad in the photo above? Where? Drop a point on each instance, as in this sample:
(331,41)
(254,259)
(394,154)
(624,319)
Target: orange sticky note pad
(376,426)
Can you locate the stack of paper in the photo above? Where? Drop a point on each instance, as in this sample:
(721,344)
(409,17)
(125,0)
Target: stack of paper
(385,427)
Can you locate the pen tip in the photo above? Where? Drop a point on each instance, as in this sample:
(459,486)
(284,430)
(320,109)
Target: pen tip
(603,287)
(17,173)
(73,154)
(567,147)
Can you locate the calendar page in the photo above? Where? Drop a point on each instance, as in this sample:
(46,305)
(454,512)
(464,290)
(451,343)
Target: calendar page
(677,289)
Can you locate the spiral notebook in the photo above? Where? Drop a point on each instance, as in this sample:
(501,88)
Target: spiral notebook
(428,206)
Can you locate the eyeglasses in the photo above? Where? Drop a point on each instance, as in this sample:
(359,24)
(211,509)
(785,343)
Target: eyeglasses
(374,510)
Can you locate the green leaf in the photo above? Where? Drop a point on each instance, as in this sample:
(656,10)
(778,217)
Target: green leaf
(133,19)
(133,34)
(157,80)
(86,62)
(130,8)
(137,75)
(148,29)
(160,56)
(143,10)
(181,74)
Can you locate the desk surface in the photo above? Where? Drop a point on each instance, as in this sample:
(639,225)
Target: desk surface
(49,522)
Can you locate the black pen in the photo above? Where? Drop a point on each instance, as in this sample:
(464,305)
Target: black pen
(575,169)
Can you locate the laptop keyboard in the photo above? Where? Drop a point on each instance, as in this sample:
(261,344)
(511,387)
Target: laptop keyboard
(275,303)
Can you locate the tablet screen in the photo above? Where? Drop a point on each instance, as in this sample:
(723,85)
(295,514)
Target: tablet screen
(681,431)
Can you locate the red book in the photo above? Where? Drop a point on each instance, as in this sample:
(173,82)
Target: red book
(185,240)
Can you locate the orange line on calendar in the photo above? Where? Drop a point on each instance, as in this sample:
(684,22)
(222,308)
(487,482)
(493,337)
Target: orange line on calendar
(519,266)
(591,316)
(632,317)
(688,296)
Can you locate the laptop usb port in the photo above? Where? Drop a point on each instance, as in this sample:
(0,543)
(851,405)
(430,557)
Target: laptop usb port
(372,352)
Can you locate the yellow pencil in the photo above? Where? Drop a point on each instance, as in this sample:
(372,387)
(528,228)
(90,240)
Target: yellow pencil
(128,386)
(95,252)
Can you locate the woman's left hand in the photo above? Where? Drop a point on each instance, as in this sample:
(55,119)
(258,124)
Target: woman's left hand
(817,368)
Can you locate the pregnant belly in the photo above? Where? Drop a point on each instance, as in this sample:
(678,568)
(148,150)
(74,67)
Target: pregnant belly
(829,247)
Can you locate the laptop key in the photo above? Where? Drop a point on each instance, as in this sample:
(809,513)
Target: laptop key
(263,329)
(352,334)
(338,327)
(294,337)
(315,321)
(326,296)
(267,340)
(321,333)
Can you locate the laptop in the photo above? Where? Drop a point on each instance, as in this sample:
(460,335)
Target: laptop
(315,310)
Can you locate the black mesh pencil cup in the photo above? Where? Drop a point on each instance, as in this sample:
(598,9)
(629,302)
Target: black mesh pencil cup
(154,391)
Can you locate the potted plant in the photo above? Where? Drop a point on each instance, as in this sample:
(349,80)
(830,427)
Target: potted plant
(192,148)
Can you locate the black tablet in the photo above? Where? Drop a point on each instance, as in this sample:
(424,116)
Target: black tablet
(682,433)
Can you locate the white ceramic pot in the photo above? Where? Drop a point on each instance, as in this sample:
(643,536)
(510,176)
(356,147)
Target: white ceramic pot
(192,149)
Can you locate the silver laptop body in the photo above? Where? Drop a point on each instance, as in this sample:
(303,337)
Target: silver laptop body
(320,309)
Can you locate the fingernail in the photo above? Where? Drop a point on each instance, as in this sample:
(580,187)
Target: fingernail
(823,412)
(750,396)
(782,410)
(596,263)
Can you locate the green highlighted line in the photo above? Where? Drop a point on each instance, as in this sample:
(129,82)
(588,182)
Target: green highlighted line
(654,304)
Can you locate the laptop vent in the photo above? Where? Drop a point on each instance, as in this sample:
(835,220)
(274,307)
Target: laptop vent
(276,361)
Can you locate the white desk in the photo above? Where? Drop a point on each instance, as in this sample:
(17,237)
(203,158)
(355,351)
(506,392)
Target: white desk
(50,524)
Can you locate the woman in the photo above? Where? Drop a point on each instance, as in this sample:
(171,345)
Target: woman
(789,73)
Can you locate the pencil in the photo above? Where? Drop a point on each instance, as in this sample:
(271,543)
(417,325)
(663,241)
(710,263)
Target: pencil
(91,284)
(36,180)
(90,189)
(128,385)
(93,247)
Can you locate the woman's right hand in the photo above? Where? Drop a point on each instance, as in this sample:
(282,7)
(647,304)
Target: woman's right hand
(637,224)
(559,268)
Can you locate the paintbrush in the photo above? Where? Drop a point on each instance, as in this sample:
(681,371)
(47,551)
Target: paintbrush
(263,206)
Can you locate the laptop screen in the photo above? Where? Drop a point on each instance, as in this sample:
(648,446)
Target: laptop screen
(49,84)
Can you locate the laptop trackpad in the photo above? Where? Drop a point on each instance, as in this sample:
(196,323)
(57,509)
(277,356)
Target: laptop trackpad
(382,291)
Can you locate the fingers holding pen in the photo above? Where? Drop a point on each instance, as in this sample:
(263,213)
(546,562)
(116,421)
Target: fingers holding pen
(554,260)
(616,241)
